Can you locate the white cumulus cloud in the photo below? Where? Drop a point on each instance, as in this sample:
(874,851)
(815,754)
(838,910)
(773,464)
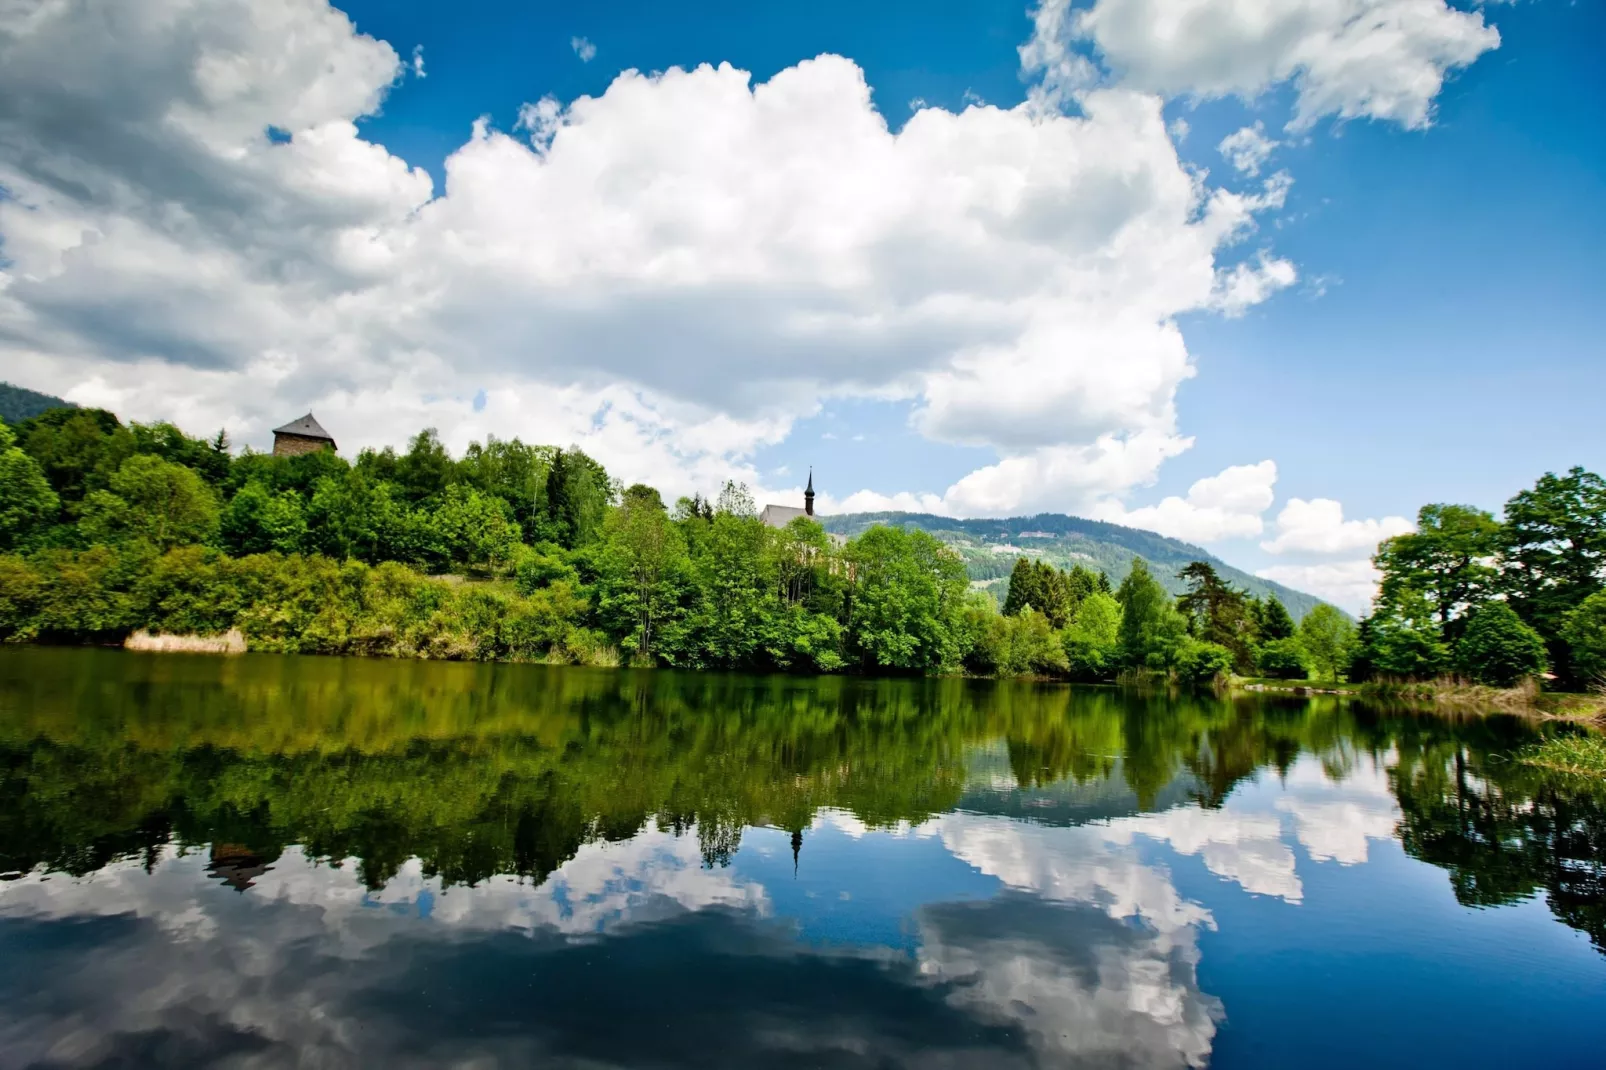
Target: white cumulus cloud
(1348,584)
(1376,59)
(1318,526)
(1224,506)
(583,48)
(670,273)
(1247,149)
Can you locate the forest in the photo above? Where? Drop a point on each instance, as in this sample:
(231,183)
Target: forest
(535,553)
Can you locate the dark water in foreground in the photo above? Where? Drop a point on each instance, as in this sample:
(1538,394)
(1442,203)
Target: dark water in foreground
(308,862)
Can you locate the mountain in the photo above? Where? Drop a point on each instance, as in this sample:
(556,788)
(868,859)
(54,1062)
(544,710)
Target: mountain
(18,403)
(990,548)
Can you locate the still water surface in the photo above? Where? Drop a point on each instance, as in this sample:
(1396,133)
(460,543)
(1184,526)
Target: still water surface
(267,861)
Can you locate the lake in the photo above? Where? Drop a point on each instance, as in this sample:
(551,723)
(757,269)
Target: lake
(274,861)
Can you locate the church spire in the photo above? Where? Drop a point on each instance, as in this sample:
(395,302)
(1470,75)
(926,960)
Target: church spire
(808,495)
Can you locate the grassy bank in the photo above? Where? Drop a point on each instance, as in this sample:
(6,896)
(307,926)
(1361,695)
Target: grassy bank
(1582,755)
(1296,687)
(1447,693)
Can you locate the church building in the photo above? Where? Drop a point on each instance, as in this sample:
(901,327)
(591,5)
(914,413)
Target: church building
(778,516)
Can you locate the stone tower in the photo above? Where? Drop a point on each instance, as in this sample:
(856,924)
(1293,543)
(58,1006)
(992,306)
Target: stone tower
(305,435)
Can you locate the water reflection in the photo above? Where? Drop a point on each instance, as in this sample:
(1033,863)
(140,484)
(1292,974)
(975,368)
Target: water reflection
(267,861)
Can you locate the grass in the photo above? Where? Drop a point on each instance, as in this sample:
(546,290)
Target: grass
(1270,683)
(1583,755)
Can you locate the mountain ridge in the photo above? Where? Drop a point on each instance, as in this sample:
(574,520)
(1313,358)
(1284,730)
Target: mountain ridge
(18,403)
(989,547)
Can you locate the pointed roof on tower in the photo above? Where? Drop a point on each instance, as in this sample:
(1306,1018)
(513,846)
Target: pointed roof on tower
(306,427)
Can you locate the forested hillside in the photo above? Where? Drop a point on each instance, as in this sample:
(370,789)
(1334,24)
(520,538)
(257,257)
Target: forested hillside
(989,549)
(19,403)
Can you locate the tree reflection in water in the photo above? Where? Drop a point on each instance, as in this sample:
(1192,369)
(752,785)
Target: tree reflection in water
(485,770)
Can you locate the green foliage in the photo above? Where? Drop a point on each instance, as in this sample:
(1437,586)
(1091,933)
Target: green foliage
(208,458)
(78,449)
(258,521)
(1219,613)
(578,493)
(1498,649)
(1041,586)
(1585,634)
(1020,645)
(904,599)
(154,500)
(1201,663)
(1093,641)
(1402,641)
(1272,620)
(1579,755)
(425,471)
(540,566)
(514,472)
(645,575)
(27,504)
(737,587)
(1446,561)
(1553,551)
(473,529)
(1151,627)
(1283,659)
(1327,638)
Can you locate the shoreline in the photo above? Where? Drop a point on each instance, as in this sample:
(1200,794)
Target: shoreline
(1452,696)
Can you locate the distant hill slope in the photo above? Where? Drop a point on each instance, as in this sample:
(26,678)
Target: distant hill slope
(19,403)
(990,548)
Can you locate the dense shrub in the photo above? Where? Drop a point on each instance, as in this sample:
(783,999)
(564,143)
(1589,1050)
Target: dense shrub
(1498,648)
(1284,659)
(1585,634)
(1201,663)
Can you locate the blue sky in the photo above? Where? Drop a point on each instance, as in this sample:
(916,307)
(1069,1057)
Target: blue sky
(1422,261)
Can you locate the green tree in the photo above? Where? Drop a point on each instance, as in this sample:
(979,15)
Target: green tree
(1273,620)
(1585,634)
(27,504)
(157,501)
(1284,659)
(78,449)
(1093,640)
(1024,587)
(1041,586)
(514,472)
(1083,582)
(1554,553)
(1201,663)
(1498,649)
(1403,640)
(1326,636)
(1151,627)
(257,521)
(208,458)
(1219,613)
(739,603)
(540,566)
(578,494)
(1448,560)
(426,469)
(1022,644)
(905,596)
(643,574)
(474,529)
